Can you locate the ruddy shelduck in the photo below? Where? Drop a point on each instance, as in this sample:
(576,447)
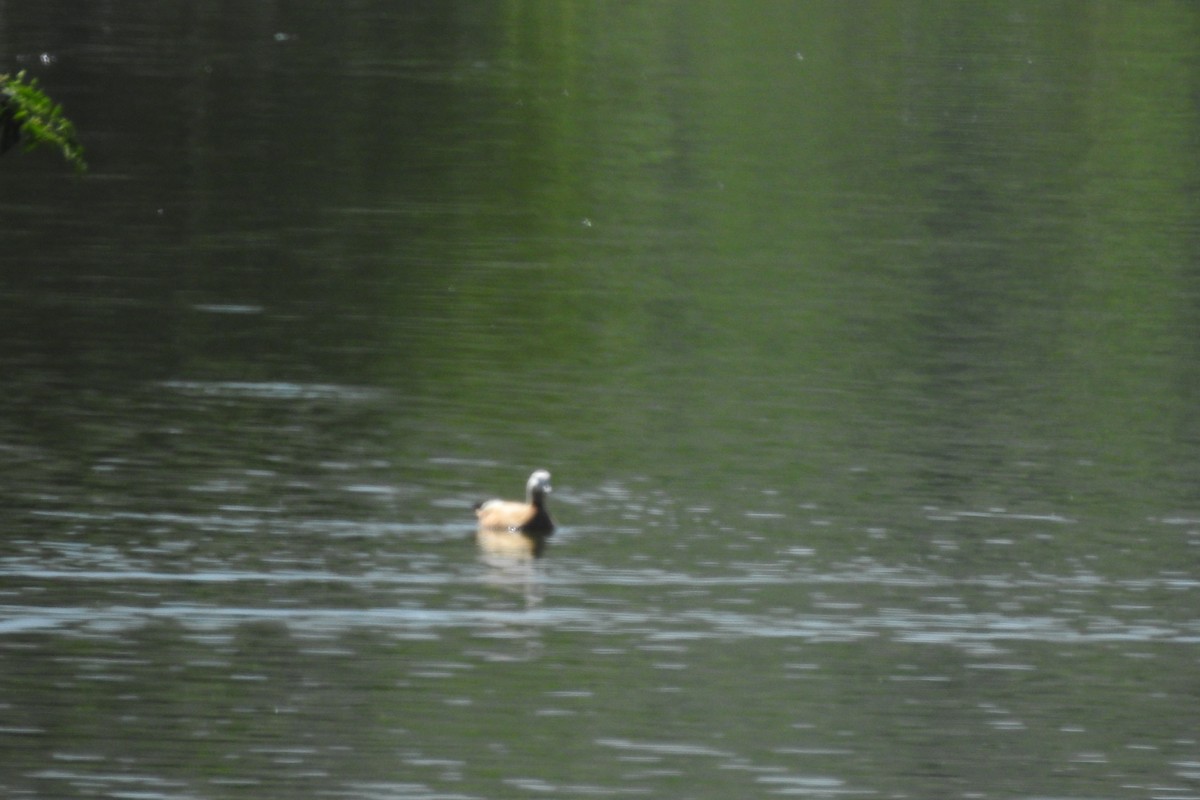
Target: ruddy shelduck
(529,517)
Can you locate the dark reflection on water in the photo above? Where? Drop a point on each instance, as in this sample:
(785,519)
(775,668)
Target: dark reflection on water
(859,340)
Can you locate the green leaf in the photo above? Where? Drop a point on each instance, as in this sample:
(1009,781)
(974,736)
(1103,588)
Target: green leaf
(27,113)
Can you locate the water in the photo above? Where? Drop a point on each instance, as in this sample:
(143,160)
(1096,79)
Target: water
(859,340)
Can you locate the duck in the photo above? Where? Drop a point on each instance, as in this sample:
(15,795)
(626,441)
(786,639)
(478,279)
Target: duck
(530,517)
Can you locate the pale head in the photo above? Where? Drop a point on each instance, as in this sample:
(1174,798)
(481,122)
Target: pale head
(539,484)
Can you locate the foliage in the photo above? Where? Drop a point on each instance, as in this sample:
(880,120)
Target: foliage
(25,110)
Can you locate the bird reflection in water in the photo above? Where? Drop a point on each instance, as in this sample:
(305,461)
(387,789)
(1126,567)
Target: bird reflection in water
(516,573)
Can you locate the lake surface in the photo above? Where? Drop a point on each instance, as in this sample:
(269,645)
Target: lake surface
(862,340)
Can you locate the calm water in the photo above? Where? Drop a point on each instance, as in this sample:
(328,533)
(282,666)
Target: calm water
(861,339)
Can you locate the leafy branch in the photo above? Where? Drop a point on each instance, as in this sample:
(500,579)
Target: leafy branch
(26,112)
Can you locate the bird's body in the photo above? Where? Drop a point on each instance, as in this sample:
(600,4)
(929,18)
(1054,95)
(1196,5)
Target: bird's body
(529,517)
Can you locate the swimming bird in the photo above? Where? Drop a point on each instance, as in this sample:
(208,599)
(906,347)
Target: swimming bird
(529,517)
